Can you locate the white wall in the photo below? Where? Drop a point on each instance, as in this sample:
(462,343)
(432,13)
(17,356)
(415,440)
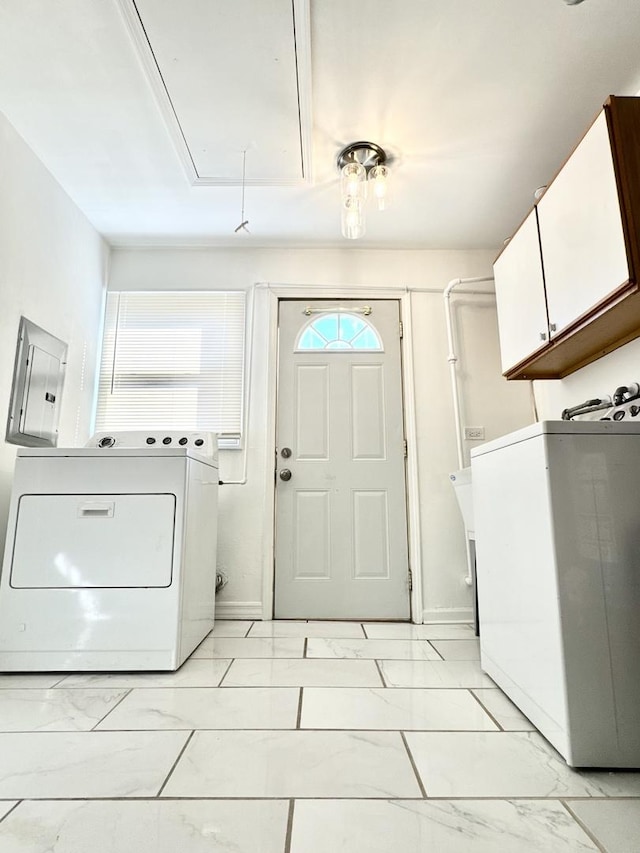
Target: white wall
(487,399)
(53,269)
(620,367)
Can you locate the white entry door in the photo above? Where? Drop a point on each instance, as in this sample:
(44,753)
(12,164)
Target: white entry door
(341,527)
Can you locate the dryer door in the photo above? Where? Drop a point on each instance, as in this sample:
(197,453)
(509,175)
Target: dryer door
(77,541)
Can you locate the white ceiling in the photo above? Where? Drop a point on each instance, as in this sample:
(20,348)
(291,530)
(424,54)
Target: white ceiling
(142,108)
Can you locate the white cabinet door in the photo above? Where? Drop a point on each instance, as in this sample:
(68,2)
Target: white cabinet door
(581,231)
(522,309)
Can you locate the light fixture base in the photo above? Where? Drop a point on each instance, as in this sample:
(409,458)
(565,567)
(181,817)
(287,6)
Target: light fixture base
(367,154)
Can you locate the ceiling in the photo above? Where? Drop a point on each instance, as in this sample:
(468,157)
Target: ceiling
(142,110)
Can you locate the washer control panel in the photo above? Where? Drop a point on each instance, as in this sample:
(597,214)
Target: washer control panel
(204,442)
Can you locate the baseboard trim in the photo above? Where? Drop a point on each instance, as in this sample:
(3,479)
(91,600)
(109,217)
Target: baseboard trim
(238,610)
(454,614)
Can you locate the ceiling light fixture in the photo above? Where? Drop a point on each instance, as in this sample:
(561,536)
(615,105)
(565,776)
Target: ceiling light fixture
(360,164)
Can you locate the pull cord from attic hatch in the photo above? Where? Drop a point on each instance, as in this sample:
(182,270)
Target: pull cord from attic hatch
(243,222)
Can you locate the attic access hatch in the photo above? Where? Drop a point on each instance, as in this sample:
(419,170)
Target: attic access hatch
(38,376)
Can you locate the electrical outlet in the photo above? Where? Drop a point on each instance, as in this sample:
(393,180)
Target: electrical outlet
(474,433)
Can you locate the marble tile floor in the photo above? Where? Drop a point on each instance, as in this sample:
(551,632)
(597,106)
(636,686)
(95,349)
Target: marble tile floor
(297,737)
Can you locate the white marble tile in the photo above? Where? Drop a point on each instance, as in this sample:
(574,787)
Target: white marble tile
(5,807)
(29,679)
(615,823)
(250,647)
(87,764)
(29,710)
(204,672)
(231,628)
(397,708)
(206,708)
(463,826)
(334,630)
(146,826)
(455,673)
(458,649)
(407,631)
(505,764)
(370,649)
(503,710)
(302,673)
(294,764)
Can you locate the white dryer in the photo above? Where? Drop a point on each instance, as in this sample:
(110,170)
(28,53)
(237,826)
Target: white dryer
(110,559)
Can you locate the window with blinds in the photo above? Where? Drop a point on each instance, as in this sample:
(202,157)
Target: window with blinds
(173,360)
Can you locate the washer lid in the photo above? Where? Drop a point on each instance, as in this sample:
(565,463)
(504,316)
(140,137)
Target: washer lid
(102,453)
(559,428)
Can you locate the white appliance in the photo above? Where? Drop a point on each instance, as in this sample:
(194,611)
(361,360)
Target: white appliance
(557,522)
(463,490)
(110,559)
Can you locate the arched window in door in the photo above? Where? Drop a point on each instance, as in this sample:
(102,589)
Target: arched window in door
(338,331)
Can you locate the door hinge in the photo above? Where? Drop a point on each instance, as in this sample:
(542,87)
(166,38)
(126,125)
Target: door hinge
(401,328)
(404,447)
(410,581)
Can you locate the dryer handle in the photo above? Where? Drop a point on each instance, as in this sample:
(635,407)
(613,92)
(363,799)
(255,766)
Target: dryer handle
(96,509)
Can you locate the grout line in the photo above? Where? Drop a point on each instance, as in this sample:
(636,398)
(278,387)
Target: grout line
(583,827)
(12,809)
(304,650)
(226,672)
(60,681)
(486,710)
(382,797)
(127,692)
(364,631)
(430,644)
(299,717)
(272,728)
(287,840)
(249,629)
(377,663)
(413,764)
(175,763)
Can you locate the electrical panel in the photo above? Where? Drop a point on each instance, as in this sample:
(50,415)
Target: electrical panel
(38,377)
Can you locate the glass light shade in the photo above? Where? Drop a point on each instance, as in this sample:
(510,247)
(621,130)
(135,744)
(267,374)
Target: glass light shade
(352,218)
(379,177)
(354,181)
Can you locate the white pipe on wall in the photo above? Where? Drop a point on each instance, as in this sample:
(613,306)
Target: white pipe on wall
(452,358)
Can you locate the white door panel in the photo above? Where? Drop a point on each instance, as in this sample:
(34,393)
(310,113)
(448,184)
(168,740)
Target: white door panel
(341,531)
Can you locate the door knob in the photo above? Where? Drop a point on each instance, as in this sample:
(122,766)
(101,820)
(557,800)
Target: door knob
(285,474)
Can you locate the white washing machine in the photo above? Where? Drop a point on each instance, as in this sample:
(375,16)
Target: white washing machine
(557,523)
(110,558)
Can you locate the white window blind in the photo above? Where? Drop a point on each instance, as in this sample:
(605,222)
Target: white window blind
(173,360)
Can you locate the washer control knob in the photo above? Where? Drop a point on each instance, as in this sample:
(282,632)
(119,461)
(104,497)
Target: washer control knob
(183,440)
(166,439)
(618,416)
(199,442)
(107,441)
(151,440)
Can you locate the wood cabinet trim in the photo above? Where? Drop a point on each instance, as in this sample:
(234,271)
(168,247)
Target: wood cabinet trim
(614,321)
(623,121)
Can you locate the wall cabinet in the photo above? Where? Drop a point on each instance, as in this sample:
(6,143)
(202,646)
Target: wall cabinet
(521,303)
(567,282)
